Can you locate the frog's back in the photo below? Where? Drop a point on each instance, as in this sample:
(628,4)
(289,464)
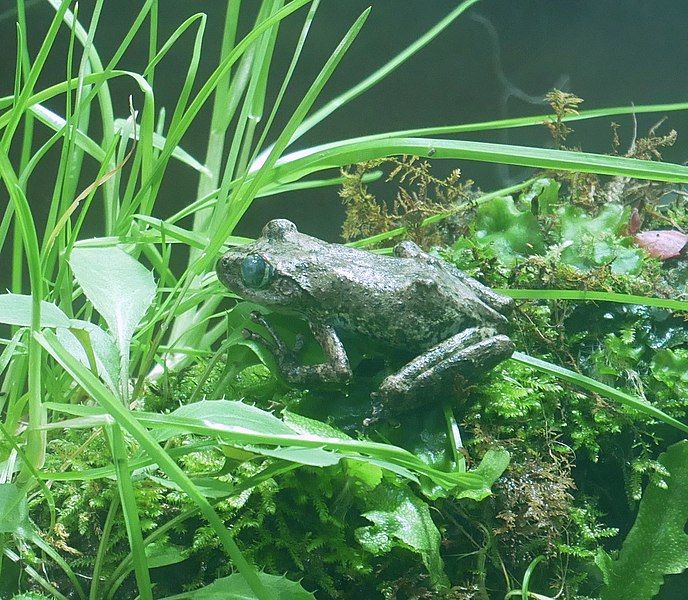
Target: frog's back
(402,302)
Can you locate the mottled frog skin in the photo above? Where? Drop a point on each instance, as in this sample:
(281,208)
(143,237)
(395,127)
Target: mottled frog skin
(450,324)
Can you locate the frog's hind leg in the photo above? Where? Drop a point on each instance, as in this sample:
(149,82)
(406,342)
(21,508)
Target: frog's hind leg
(466,354)
(501,304)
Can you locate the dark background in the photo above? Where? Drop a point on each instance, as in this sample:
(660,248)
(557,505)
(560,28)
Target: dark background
(609,52)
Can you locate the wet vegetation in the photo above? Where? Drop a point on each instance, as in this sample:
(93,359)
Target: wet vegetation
(148,448)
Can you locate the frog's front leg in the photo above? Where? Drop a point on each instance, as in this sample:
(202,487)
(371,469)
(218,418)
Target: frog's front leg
(335,370)
(466,354)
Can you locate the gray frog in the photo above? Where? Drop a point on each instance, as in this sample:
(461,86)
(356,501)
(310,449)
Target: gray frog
(448,323)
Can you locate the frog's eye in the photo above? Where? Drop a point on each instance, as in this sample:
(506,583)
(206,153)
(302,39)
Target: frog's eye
(256,273)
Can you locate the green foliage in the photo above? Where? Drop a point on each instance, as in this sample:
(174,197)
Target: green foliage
(235,586)
(399,517)
(510,232)
(657,544)
(14,514)
(420,197)
(564,104)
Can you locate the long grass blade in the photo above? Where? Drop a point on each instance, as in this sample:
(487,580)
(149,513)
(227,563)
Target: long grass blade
(633,402)
(337,154)
(587,295)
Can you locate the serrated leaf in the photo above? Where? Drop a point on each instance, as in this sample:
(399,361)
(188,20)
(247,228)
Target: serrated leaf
(303,424)
(228,413)
(402,519)
(15,309)
(249,418)
(657,544)
(235,587)
(120,288)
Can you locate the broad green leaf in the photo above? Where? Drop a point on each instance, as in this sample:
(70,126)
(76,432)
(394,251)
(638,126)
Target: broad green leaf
(313,457)
(235,587)
(302,424)
(670,366)
(120,288)
(15,309)
(402,519)
(510,232)
(491,467)
(162,554)
(226,413)
(657,544)
(14,510)
(245,427)
(231,414)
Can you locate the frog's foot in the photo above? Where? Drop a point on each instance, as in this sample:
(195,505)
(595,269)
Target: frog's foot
(275,344)
(285,356)
(465,355)
(335,371)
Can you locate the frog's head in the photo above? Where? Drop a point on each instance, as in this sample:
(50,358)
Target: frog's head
(266,271)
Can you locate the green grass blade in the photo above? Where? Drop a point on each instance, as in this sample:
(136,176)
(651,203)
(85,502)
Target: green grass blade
(290,72)
(175,134)
(337,154)
(130,512)
(606,391)
(522,294)
(259,52)
(57,123)
(255,95)
(222,113)
(516,122)
(243,197)
(36,438)
(20,100)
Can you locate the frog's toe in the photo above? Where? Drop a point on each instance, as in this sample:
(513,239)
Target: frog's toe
(259,339)
(299,343)
(408,249)
(256,317)
(276,340)
(377,412)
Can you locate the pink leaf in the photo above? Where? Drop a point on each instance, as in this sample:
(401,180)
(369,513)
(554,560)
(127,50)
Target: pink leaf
(662,243)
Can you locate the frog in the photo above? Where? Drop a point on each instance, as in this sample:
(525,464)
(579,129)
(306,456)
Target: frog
(448,327)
